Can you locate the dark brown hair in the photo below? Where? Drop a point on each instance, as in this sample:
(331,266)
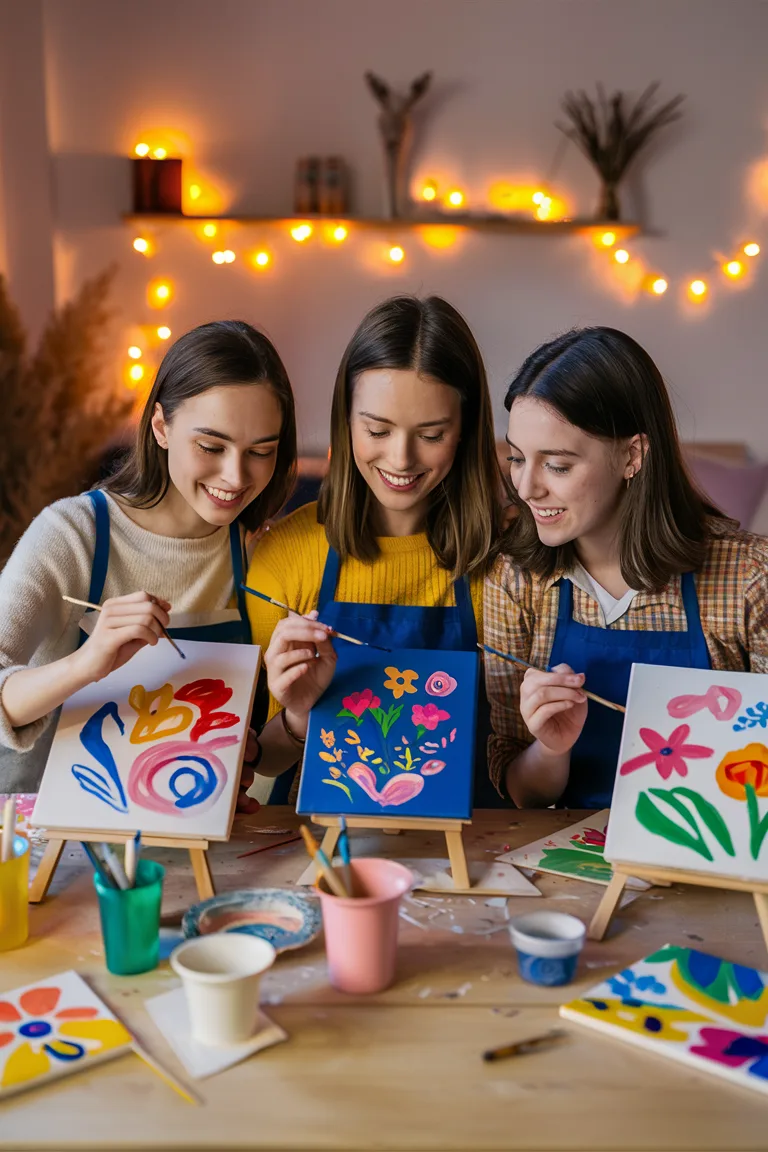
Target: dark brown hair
(222,352)
(464,515)
(602,381)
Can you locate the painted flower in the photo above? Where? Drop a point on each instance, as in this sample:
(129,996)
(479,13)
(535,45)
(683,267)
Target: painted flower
(669,755)
(440,684)
(730,990)
(358,702)
(592,836)
(734,1049)
(400,682)
(397,790)
(327,738)
(746,766)
(662,1021)
(722,702)
(41,1034)
(432,767)
(428,716)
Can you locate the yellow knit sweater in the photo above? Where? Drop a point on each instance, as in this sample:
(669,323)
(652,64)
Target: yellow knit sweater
(288,564)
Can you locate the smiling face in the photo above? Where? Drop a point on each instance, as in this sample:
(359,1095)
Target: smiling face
(405,431)
(571,481)
(222,450)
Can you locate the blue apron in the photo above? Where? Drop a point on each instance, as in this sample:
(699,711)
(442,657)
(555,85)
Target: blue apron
(452,628)
(606,656)
(226,632)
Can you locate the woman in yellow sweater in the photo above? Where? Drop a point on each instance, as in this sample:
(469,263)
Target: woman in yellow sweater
(396,548)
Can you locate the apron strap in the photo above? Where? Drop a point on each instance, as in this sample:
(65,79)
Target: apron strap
(691,605)
(101,550)
(239,569)
(467,622)
(330,580)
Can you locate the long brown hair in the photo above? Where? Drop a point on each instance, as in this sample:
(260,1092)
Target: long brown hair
(601,381)
(222,352)
(464,515)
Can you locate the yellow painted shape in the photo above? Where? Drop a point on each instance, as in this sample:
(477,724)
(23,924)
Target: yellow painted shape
(24,1064)
(155,723)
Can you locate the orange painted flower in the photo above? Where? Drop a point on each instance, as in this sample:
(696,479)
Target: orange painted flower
(327,738)
(400,682)
(745,766)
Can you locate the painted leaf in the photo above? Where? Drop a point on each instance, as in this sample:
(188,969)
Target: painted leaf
(682,809)
(657,823)
(346,712)
(711,817)
(338,784)
(327,756)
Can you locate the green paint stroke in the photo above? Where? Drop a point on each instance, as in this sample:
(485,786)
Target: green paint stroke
(659,824)
(338,784)
(576,862)
(757,828)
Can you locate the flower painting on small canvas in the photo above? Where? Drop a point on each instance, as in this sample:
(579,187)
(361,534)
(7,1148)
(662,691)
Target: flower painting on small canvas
(692,778)
(393,735)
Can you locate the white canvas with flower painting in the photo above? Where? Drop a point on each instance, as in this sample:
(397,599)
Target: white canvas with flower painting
(394,735)
(691,786)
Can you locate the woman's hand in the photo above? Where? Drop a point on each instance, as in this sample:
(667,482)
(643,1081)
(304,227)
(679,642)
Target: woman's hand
(300,665)
(124,625)
(554,707)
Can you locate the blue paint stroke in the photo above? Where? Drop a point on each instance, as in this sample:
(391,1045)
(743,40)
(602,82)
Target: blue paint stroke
(755,717)
(105,786)
(204,783)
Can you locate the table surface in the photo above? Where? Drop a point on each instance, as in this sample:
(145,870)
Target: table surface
(401,1070)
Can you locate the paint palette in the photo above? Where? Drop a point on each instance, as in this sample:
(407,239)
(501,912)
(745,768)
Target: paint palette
(281,916)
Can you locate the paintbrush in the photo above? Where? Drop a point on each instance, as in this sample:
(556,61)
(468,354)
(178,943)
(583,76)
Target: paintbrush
(524,1046)
(525,664)
(104,875)
(345,854)
(164,1074)
(97,608)
(333,632)
(320,858)
(132,848)
(9,829)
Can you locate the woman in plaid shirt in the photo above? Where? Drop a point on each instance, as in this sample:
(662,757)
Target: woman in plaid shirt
(615,557)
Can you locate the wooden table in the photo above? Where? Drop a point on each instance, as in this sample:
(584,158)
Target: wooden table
(401,1070)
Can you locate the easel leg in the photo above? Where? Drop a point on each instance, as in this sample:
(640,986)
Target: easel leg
(458,859)
(45,871)
(330,840)
(202,871)
(761,903)
(607,907)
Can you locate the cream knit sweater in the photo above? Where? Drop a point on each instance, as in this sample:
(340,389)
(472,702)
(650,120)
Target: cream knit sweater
(54,557)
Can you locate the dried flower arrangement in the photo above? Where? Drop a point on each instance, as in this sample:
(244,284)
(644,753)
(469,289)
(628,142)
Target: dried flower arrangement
(611,132)
(59,408)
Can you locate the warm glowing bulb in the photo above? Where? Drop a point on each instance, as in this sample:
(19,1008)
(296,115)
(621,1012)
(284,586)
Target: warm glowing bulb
(698,288)
(209,230)
(141,149)
(262,259)
(229,256)
(134,352)
(608,239)
(544,208)
(456,198)
(340,233)
(136,372)
(164,332)
(733,268)
(218,257)
(621,256)
(537,197)
(159,153)
(141,245)
(195,191)
(752,249)
(396,254)
(301,232)
(429,191)
(659,286)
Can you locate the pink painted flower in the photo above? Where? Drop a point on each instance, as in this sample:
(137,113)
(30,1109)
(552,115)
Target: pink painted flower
(397,790)
(358,702)
(592,836)
(722,702)
(440,684)
(734,1049)
(669,755)
(432,767)
(428,716)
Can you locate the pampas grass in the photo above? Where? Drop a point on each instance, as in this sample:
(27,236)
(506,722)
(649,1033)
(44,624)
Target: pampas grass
(60,408)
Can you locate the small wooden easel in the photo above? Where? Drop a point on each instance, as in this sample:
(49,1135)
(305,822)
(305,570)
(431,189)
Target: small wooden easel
(607,905)
(58,837)
(452,829)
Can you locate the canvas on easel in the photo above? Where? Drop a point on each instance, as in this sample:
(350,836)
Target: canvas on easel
(688,802)
(390,744)
(156,746)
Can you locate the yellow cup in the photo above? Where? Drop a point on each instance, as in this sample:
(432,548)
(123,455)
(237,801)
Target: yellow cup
(14,896)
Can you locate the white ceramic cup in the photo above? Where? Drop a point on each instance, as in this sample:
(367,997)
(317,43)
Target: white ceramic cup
(221,975)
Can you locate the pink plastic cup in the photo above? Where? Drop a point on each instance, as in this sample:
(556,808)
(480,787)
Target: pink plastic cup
(361,932)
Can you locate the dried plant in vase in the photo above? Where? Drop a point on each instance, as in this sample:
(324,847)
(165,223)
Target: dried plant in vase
(611,132)
(396,127)
(60,409)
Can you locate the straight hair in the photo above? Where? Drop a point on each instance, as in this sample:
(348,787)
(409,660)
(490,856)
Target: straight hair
(464,514)
(601,381)
(223,352)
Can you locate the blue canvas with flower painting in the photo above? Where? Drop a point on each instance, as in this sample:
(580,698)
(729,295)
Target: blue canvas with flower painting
(696,1008)
(394,735)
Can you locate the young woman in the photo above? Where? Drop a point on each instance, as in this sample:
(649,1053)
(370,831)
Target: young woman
(161,544)
(398,544)
(614,558)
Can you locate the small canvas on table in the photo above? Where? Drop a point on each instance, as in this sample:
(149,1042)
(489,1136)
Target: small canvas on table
(156,745)
(52,1028)
(686,1005)
(693,774)
(393,735)
(576,852)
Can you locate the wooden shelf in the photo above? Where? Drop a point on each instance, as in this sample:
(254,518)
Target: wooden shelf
(475,223)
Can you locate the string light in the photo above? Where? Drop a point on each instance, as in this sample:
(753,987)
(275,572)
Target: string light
(396,254)
(608,239)
(429,191)
(751,249)
(134,352)
(159,153)
(261,259)
(659,286)
(195,191)
(163,332)
(159,293)
(141,245)
(136,372)
(734,269)
(697,289)
(621,256)
(229,256)
(544,209)
(301,232)
(538,197)
(340,233)
(209,230)
(455,198)
(218,257)
(141,149)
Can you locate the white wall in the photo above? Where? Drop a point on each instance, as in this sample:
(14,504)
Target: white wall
(252,84)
